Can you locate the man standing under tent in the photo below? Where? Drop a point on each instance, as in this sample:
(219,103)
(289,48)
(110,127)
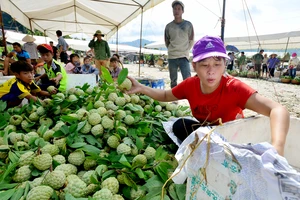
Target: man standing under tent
(101,50)
(62,47)
(179,39)
(242,62)
(258,59)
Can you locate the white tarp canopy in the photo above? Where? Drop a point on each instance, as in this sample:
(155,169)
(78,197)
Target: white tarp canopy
(80,45)
(76,16)
(277,41)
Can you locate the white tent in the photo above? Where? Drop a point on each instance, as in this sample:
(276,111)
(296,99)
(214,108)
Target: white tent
(277,41)
(76,16)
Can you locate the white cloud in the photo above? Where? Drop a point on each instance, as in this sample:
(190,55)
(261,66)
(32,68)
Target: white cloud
(268,16)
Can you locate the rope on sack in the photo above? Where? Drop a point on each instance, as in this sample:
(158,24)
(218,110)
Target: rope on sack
(194,145)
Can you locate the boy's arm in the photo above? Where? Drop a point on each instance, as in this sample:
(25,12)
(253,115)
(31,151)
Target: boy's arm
(45,93)
(57,79)
(28,60)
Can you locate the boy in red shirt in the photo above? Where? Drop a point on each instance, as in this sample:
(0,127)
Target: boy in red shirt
(214,95)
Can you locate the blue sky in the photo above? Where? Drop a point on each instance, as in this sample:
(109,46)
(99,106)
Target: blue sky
(268,16)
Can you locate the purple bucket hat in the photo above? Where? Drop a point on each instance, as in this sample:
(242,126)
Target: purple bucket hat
(209,46)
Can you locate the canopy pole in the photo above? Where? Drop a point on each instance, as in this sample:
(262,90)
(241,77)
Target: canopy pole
(31,27)
(141,34)
(3,33)
(223,21)
(117,41)
(287,44)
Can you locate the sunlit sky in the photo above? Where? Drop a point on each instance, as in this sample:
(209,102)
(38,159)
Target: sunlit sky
(268,16)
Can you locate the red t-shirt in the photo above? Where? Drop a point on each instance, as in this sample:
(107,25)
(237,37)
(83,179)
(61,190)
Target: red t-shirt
(226,102)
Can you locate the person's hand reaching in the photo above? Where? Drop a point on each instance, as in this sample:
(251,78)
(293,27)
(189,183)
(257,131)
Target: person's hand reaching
(136,86)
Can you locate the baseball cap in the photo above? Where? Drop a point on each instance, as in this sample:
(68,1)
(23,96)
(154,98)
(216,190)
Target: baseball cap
(98,32)
(45,46)
(177,2)
(209,46)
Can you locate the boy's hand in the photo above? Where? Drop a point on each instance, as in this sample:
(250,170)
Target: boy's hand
(53,91)
(55,80)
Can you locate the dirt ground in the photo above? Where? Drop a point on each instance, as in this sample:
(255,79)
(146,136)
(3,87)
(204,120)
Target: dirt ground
(286,94)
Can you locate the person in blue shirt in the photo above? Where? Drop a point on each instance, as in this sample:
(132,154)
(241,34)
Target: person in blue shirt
(18,54)
(272,63)
(87,68)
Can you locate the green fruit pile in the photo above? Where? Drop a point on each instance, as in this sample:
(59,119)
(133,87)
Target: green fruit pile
(90,142)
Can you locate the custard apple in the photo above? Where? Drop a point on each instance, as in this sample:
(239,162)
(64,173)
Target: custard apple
(120,114)
(149,152)
(112,184)
(120,101)
(129,120)
(43,161)
(97,130)
(11,127)
(135,99)
(46,121)
(36,182)
(59,158)
(79,92)
(77,157)
(15,120)
(113,141)
(103,194)
(126,85)
(55,179)
(51,149)
(61,143)
(107,123)
(34,117)
(26,158)
(112,97)
(158,108)
(86,128)
(89,164)
(22,174)
(98,104)
(30,135)
(42,192)
(72,98)
(51,88)
(117,197)
(68,169)
(75,186)
(82,114)
(102,111)
(94,119)
(123,149)
(139,160)
(135,194)
(87,176)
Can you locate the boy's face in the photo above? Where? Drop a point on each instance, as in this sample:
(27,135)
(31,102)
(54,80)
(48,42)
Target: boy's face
(87,61)
(25,76)
(114,64)
(47,57)
(17,48)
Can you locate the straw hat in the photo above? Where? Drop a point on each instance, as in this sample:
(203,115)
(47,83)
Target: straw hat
(273,54)
(28,38)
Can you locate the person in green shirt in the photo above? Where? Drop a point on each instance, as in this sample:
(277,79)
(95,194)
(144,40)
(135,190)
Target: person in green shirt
(242,61)
(101,50)
(55,74)
(257,60)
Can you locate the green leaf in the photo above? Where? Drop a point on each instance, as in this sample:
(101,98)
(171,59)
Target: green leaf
(153,182)
(58,133)
(13,157)
(180,191)
(18,194)
(140,173)
(81,125)
(69,197)
(3,105)
(9,169)
(64,129)
(68,119)
(172,192)
(128,181)
(8,186)
(91,140)
(108,174)
(77,145)
(90,149)
(94,179)
(72,128)
(123,160)
(36,173)
(160,153)
(100,169)
(139,143)
(7,194)
(162,170)
(106,75)
(90,106)
(122,76)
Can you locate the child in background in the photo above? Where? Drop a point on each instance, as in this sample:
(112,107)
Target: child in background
(55,74)
(114,68)
(14,90)
(73,67)
(87,68)
(294,62)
